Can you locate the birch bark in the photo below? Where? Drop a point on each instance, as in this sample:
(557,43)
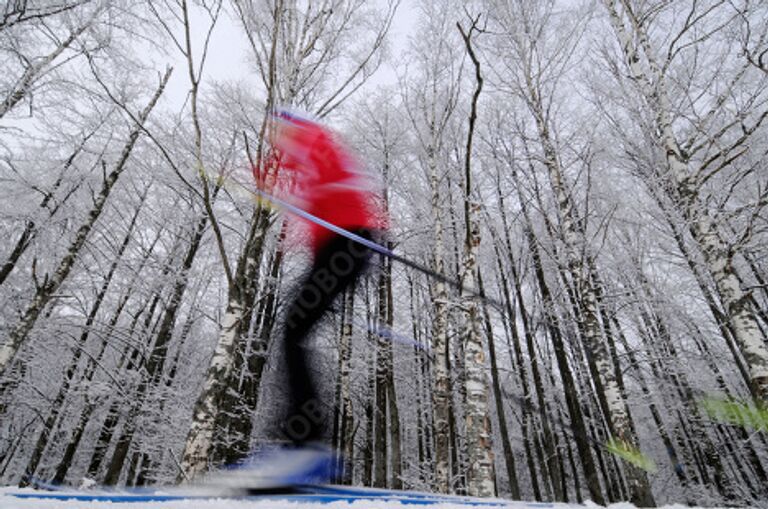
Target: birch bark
(577,255)
(482,475)
(553,324)
(346,410)
(441,397)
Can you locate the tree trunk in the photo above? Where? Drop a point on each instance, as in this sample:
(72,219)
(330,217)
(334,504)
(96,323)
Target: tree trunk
(553,328)
(611,396)
(24,84)
(250,385)
(395,445)
(346,421)
(555,474)
(738,306)
(482,475)
(423,422)
(571,397)
(383,378)
(368,448)
(234,420)
(441,397)
(153,371)
(506,443)
(129,360)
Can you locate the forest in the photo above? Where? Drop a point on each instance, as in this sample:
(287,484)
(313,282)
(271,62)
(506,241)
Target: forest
(586,178)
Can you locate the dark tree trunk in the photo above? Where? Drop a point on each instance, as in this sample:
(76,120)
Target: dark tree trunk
(509,458)
(383,369)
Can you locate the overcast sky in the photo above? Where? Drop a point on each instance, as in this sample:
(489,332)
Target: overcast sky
(228,53)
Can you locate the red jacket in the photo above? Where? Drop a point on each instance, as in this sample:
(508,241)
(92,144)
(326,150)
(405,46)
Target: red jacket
(328,183)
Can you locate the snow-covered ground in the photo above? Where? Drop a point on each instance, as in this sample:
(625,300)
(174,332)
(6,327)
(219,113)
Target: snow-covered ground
(7,501)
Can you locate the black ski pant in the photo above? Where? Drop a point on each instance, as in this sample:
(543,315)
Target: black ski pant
(336,267)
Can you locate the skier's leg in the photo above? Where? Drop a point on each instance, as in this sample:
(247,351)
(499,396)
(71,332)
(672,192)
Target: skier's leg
(337,265)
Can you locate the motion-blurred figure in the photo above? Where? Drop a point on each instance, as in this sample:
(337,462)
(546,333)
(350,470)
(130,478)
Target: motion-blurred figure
(326,182)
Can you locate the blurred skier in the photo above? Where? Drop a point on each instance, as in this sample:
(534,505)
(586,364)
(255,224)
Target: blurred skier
(325,181)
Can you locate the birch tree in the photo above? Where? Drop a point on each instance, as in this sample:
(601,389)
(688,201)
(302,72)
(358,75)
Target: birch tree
(79,347)
(618,188)
(53,200)
(482,477)
(699,142)
(431,103)
(30,63)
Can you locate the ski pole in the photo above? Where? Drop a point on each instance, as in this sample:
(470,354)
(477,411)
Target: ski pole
(376,247)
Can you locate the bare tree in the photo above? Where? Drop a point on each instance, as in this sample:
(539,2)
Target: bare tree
(29,70)
(431,100)
(22,11)
(51,283)
(540,63)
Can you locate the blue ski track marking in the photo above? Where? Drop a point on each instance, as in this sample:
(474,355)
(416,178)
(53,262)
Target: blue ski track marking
(313,494)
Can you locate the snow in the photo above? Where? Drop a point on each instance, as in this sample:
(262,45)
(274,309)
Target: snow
(9,502)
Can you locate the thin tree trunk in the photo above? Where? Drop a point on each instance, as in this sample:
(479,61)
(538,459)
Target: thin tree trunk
(661,426)
(610,395)
(24,84)
(346,411)
(572,398)
(30,228)
(553,328)
(422,422)
(383,377)
(395,445)
(510,322)
(743,437)
(129,360)
(554,473)
(726,329)
(441,397)
(368,448)
(158,355)
(256,361)
(509,457)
